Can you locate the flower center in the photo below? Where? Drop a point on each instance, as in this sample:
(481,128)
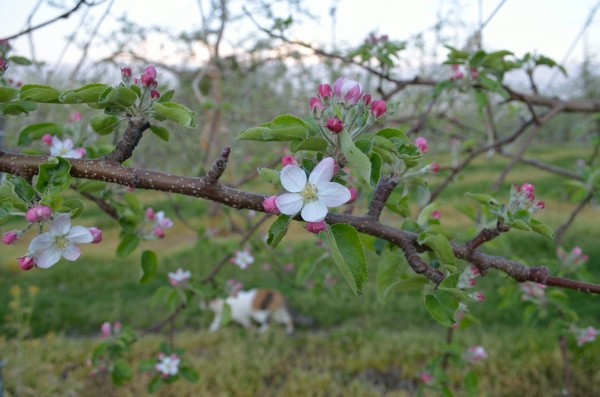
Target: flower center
(310,193)
(61,242)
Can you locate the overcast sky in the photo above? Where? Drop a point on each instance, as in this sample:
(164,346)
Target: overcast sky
(547,27)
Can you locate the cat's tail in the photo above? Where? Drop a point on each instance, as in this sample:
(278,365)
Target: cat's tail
(299,318)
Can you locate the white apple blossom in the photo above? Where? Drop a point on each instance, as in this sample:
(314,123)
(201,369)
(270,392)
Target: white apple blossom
(47,248)
(243,259)
(311,197)
(168,365)
(64,149)
(179,277)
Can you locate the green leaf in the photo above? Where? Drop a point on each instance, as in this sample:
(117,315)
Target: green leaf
(155,384)
(376,163)
(278,230)
(149,267)
(22,188)
(39,93)
(438,311)
(348,254)
(85,94)
(127,245)
(359,163)
(174,112)
(73,206)
(519,224)
(541,228)
(7,94)
(426,212)
(166,96)
(91,186)
(484,199)
(269,175)
(392,133)
(54,176)
(283,128)
(120,96)
(312,143)
(189,374)
(226,314)
(441,248)
(121,373)
(19,60)
(103,124)
(160,132)
(451,281)
(37,131)
(390,271)
(17,107)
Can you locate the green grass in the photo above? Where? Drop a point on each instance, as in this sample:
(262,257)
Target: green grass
(358,347)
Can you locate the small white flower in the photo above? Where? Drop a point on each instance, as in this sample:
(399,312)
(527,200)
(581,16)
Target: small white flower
(312,196)
(179,277)
(64,149)
(243,259)
(168,365)
(476,354)
(162,221)
(60,240)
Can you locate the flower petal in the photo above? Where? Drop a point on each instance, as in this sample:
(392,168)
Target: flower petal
(60,225)
(71,252)
(41,242)
(289,203)
(80,234)
(332,194)
(323,172)
(293,178)
(47,258)
(314,212)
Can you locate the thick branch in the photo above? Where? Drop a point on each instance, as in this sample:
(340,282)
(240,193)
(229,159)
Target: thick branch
(130,140)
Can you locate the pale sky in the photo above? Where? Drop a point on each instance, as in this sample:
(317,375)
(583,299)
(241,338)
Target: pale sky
(548,27)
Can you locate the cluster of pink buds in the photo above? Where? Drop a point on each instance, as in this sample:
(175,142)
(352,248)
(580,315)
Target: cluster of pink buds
(147,81)
(459,74)
(426,378)
(584,335)
(468,277)
(422,145)
(476,354)
(158,223)
(523,198)
(346,107)
(572,260)
(234,286)
(533,292)
(3,66)
(316,227)
(373,39)
(107,329)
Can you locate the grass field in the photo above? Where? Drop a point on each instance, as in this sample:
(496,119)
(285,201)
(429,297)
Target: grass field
(357,347)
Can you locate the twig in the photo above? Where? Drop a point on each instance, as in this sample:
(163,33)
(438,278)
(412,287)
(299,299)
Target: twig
(382,193)
(218,167)
(129,141)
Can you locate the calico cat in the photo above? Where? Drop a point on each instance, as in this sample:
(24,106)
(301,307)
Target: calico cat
(256,304)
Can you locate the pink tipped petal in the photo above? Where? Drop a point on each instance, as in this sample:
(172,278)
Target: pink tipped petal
(80,234)
(332,194)
(61,225)
(293,179)
(314,212)
(47,258)
(323,172)
(289,203)
(71,253)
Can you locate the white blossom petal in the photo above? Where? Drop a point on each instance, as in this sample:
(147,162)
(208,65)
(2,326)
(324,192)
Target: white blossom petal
(47,258)
(41,242)
(293,179)
(71,252)
(332,194)
(314,212)
(289,203)
(60,225)
(323,172)
(80,234)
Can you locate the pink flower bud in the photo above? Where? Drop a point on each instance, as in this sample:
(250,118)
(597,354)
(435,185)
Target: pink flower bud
(474,73)
(38,214)
(105,330)
(379,108)
(316,227)
(10,238)
(3,66)
(353,195)
(576,252)
(158,232)
(125,73)
(335,125)
(367,99)
(154,94)
(426,378)
(96,234)
(422,145)
(288,160)
(477,296)
(455,67)
(270,206)
(148,81)
(529,190)
(436,215)
(150,71)
(325,92)
(349,91)
(82,152)
(75,117)
(26,263)
(47,139)
(540,205)
(435,168)
(117,327)
(316,106)
(150,214)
